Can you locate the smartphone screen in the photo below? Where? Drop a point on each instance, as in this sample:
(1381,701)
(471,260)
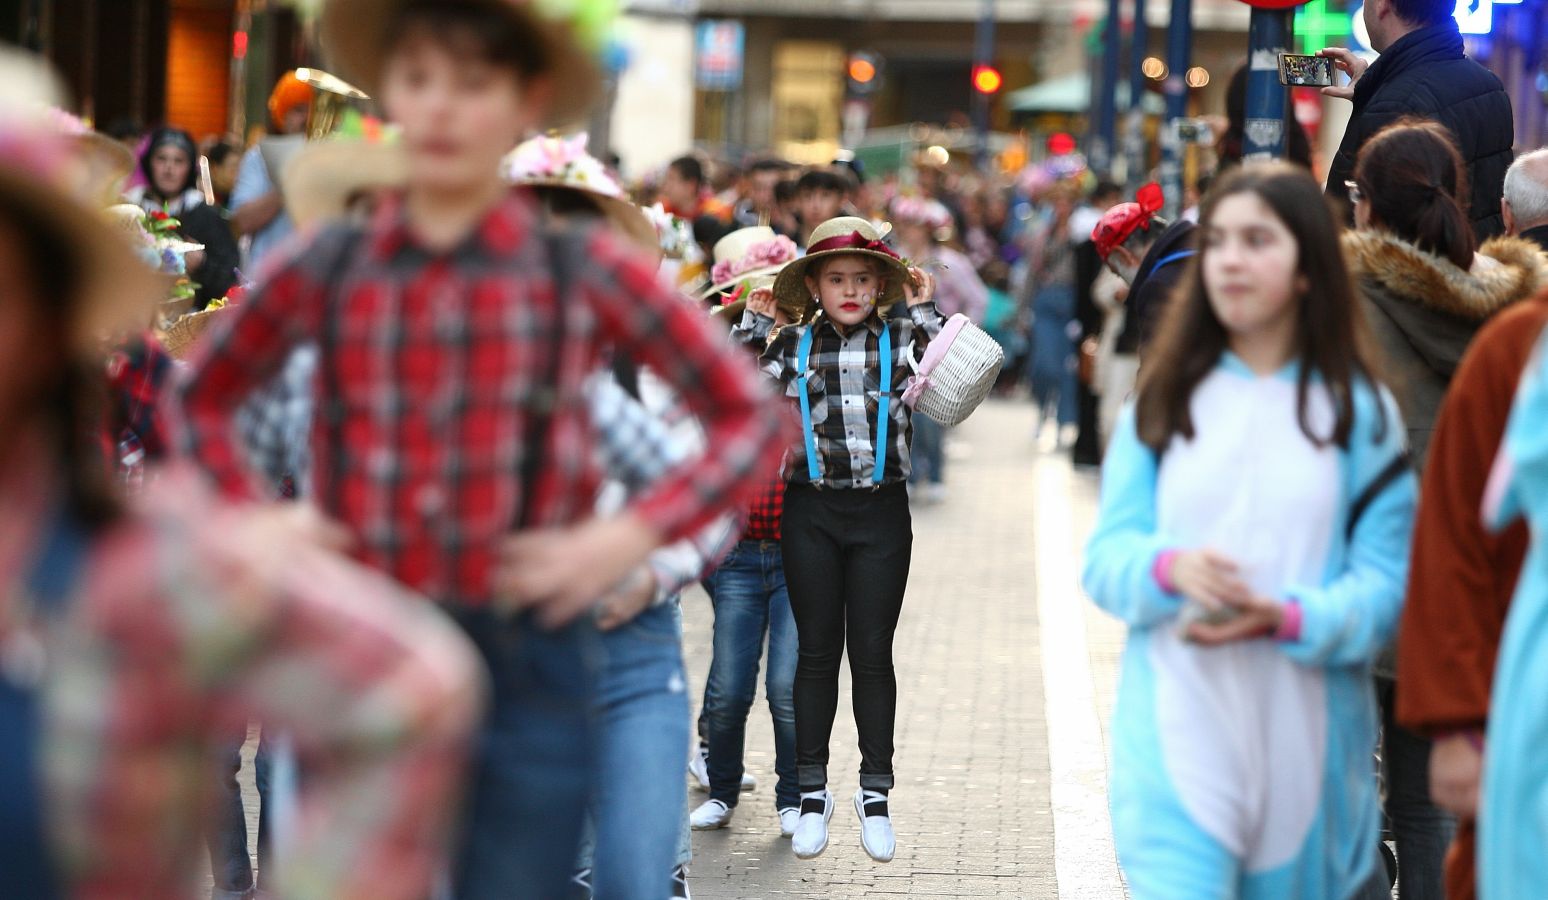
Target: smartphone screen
(1297,70)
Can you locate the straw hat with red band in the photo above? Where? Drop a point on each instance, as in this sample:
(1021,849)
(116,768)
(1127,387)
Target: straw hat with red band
(573,34)
(845,234)
(1126,218)
(115,291)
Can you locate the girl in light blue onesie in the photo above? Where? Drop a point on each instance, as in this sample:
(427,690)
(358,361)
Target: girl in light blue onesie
(1513,805)
(1253,534)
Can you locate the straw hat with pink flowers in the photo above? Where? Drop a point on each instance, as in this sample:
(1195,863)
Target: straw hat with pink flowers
(745,260)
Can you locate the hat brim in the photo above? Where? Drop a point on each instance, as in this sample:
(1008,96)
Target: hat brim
(621,214)
(766,275)
(791,292)
(117,291)
(324,177)
(354,37)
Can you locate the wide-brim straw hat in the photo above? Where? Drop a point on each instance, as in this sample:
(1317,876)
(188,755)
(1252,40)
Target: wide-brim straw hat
(354,37)
(736,246)
(116,290)
(845,234)
(326,176)
(554,162)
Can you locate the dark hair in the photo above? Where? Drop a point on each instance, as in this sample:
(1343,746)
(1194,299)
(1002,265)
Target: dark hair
(1416,183)
(688,169)
(1231,144)
(767,165)
(163,137)
(474,28)
(823,180)
(786,191)
(1330,333)
(219,152)
(1106,189)
(1424,12)
(73,403)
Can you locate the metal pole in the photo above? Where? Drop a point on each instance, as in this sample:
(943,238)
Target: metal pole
(1268,35)
(1106,143)
(1179,56)
(1134,132)
(983,55)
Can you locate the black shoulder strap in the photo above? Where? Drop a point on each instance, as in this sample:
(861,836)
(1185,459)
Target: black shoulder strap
(1397,468)
(331,404)
(563,251)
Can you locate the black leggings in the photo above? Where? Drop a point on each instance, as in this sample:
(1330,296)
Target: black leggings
(846,566)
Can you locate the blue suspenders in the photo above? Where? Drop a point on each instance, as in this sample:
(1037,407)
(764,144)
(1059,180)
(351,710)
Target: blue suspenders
(883,408)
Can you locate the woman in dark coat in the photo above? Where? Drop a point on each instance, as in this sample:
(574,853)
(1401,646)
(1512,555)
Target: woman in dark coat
(169,165)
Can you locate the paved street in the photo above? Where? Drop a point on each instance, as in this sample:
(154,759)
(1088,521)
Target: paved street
(979,809)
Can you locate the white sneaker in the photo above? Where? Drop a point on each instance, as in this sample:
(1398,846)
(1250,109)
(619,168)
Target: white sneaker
(789,817)
(875,831)
(711,815)
(698,767)
(811,833)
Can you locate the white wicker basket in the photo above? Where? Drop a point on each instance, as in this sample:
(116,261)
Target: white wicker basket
(957,372)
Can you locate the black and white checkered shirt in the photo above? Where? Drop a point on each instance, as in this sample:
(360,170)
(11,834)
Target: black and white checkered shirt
(844,390)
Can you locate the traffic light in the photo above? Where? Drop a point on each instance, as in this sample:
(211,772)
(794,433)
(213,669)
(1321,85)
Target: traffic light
(987,79)
(864,71)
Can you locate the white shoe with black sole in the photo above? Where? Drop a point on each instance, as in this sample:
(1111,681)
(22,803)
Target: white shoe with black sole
(811,833)
(710,815)
(875,825)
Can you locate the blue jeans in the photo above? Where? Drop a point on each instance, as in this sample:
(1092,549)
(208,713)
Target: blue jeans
(533,762)
(748,593)
(928,450)
(641,712)
(230,866)
(1421,830)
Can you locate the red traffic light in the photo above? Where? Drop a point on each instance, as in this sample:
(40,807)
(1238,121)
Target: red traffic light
(987,79)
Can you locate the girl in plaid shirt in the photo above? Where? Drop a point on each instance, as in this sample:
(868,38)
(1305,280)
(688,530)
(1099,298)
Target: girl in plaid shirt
(847,536)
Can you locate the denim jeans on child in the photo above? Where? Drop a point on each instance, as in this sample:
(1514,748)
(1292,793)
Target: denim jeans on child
(230,865)
(750,600)
(641,709)
(928,451)
(533,761)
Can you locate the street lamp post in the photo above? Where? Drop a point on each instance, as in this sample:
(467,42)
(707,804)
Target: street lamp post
(1104,148)
(1268,35)
(1134,132)
(1179,56)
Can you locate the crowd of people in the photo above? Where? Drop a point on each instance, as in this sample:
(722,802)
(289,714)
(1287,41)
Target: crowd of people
(399,448)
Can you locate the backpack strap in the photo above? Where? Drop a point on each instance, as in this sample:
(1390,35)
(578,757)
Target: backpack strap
(565,254)
(331,404)
(803,352)
(1400,465)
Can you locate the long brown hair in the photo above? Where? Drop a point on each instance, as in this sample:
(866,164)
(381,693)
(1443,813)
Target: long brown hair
(1412,175)
(71,403)
(1330,328)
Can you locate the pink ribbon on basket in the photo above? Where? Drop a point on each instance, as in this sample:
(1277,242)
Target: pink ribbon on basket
(920,382)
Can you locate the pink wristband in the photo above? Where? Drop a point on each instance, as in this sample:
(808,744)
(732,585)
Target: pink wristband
(1162,570)
(1290,624)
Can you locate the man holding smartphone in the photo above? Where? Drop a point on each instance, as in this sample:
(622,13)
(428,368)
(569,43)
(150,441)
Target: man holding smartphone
(1424,73)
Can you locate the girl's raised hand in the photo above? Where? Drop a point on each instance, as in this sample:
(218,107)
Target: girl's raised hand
(761,301)
(919,287)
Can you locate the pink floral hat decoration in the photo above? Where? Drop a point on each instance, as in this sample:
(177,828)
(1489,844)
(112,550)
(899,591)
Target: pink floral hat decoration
(555,162)
(745,260)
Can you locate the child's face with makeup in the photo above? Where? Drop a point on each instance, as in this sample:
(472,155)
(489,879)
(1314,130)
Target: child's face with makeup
(848,286)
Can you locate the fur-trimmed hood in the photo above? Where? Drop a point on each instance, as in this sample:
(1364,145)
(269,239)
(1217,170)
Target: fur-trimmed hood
(1424,312)
(1506,269)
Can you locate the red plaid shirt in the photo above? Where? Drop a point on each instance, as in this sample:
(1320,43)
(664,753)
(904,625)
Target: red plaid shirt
(436,360)
(763,517)
(184,620)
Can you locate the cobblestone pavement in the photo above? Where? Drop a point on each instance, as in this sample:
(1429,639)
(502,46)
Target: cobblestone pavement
(980,809)
(974,805)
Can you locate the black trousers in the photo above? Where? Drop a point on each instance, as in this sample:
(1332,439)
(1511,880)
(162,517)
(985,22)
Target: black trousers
(846,567)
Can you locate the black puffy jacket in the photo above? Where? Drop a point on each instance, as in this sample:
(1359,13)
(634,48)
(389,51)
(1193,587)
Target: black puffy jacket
(1425,74)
